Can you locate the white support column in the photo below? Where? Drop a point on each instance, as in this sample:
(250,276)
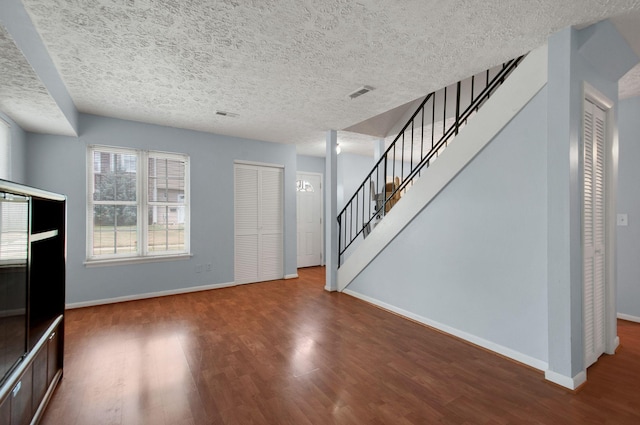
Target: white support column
(331,211)
(378,150)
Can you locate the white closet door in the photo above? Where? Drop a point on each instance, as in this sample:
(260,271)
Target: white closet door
(594,232)
(258,223)
(246,224)
(271,250)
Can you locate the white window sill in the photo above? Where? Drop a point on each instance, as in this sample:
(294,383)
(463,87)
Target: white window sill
(136,260)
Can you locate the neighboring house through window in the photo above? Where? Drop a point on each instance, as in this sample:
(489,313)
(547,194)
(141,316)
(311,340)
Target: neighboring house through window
(138,204)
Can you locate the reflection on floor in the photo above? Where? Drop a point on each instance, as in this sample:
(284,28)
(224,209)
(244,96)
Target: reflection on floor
(287,352)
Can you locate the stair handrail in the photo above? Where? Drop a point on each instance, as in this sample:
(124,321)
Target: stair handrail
(364,225)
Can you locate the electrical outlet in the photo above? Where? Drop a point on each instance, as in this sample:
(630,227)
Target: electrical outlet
(198,268)
(209,267)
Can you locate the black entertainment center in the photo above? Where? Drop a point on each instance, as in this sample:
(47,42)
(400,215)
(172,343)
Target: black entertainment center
(32,288)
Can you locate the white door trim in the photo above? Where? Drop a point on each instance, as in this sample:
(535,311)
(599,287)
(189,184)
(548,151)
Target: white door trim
(258,164)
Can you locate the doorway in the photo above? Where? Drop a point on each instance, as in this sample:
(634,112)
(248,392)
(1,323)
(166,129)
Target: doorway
(259,212)
(309,218)
(597,211)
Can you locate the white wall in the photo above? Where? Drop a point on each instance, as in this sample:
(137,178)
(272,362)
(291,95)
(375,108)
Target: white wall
(58,164)
(475,259)
(628,240)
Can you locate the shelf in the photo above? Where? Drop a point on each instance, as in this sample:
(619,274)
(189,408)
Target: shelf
(35,237)
(40,275)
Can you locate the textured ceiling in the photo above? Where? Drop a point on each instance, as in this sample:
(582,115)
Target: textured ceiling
(629,26)
(23,96)
(286,66)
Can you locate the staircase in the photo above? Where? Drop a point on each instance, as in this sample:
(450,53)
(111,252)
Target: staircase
(385,202)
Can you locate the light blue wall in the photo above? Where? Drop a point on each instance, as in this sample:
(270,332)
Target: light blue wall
(311,164)
(17,149)
(628,238)
(475,258)
(575,57)
(352,170)
(58,164)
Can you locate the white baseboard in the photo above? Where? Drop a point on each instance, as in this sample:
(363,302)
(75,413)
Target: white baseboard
(566,381)
(291,276)
(178,291)
(491,346)
(628,317)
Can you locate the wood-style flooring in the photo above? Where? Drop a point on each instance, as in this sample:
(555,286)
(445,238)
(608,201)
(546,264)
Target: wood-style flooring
(288,352)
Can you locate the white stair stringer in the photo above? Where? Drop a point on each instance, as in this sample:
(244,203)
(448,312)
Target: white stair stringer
(517,90)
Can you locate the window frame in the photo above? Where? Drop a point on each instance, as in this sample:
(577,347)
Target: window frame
(142,203)
(5,149)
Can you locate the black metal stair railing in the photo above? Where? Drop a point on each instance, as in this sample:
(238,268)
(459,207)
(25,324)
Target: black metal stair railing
(415,147)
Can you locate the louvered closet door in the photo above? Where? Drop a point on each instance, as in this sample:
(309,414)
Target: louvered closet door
(270,251)
(594,232)
(246,224)
(258,223)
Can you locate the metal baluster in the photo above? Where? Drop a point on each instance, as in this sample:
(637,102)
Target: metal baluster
(378,168)
(370,194)
(433,121)
(411,169)
(393,170)
(422,136)
(401,159)
(458,107)
(473,77)
(384,185)
(363,198)
(339,240)
(351,221)
(356,216)
(444,112)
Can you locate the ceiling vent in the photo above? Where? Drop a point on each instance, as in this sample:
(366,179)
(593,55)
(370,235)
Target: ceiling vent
(226,114)
(362,90)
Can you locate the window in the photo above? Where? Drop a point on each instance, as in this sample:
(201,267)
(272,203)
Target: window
(14,229)
(138,204)
(304,186)
(5,151)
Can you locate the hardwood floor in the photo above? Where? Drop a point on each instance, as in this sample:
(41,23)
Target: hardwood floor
(287,352)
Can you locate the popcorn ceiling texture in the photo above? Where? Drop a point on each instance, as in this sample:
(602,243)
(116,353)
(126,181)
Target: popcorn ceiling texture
(629,27)
(630,83)
(284,66)
(23,96)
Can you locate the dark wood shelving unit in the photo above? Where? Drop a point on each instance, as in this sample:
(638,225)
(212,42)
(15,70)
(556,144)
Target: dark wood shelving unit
(26,390)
